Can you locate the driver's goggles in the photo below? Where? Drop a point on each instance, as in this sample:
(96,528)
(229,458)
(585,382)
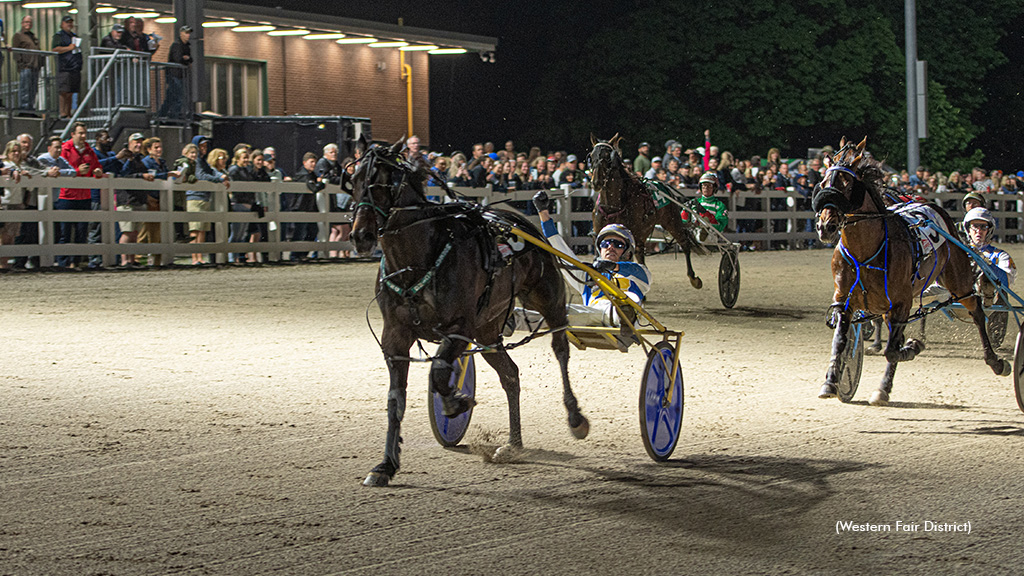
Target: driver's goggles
(612,243)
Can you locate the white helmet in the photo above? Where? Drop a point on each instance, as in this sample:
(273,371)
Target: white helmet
(979,214)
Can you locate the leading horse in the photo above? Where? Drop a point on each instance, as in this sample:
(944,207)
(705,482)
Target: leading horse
(623,198)
(443,279)
(877,268)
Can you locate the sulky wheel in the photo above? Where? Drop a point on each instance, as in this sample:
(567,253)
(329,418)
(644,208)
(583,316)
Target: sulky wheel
(661,402)
(449,431)
(1018,369)
(851,362)
(729,278)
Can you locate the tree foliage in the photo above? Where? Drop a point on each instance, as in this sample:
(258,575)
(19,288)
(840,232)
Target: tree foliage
(764,73)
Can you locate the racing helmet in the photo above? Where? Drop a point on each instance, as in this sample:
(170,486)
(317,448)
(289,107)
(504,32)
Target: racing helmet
(972,196)
(708,176)
(620,231)
(979,214)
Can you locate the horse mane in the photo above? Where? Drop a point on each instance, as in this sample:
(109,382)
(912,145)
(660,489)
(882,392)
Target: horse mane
(872,176)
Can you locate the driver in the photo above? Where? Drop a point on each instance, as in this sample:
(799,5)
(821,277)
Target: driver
(711,209)
(978,223)
(615,247)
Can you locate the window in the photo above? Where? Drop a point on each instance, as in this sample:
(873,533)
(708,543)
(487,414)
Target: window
(237,87)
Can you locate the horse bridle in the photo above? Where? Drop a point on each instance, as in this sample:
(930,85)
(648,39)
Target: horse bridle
(399,176)
(594,165)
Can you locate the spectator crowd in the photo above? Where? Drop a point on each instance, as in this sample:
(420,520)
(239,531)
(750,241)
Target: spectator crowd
(143,158)
(502,170)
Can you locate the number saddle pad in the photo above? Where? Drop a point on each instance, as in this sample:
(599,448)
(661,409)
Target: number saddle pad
(915,214)
(660,193)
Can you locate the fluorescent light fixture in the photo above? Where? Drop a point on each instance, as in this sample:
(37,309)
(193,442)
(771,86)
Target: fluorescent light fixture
(448,51)
(356,40)
(33,5)
(256,28)
(105,9)
(418,48)
(123,15)
(73,11)
(288,33)
(220,24)
(325,36)
(397,44)
(166,20)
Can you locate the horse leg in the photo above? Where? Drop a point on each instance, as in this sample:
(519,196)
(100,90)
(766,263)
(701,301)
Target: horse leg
(453,403)
(876,339)
(999,366)
(382,474)
(508,374)
(839,341)
(895,352)
(694,280)
(578,423)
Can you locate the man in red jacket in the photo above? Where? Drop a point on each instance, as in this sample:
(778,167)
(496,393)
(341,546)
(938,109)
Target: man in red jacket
(84,160)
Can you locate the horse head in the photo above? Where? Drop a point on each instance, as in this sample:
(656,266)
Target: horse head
(605,158)
(842,191)
(382,180)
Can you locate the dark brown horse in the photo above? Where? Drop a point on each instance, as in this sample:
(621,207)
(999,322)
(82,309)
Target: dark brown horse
(623,198)
(442,279)
(877,269)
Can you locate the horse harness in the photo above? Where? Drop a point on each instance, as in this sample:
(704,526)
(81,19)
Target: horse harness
(647,199)
(466,223)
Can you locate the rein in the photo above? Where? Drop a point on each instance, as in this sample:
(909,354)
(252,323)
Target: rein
(420,284)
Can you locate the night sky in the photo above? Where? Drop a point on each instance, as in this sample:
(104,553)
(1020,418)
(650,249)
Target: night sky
(472,101)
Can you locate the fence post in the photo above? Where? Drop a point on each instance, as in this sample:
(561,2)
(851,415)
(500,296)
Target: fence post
(220,228)
(273,225)
(108,205)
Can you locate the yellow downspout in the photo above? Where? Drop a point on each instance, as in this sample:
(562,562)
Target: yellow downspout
(407,76)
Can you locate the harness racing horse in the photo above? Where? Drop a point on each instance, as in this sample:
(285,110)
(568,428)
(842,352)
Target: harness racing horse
(623,198)
(442,279)
(877,269)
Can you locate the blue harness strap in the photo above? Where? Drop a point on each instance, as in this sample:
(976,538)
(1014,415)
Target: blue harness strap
(857,265)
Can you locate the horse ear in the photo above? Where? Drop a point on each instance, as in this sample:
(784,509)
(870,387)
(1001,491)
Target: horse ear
(842,142)
(593,140)
(397,146)
(615,140)
(863,144)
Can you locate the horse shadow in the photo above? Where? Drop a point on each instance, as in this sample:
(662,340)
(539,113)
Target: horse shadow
(909,405)
(707,495)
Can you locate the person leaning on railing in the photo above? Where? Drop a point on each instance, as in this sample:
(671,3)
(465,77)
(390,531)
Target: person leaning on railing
(240,171)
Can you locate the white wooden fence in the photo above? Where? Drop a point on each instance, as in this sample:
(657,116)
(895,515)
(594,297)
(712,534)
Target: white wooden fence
(786,223)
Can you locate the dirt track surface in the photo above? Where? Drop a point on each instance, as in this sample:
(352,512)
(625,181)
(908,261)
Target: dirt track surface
(221,422)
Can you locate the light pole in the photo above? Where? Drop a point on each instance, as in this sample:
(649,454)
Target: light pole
(913,140)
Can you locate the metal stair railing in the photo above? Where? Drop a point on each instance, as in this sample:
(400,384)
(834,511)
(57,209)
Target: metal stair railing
(124,75)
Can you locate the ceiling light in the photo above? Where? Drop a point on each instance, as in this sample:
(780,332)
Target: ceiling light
(123,15)
(356,40)
(257,28)
(288,33)
(448,51)
(32,5)
(397,44)
(418,48)
(166,20)
(220,24)
(105,9)
(73,11)
(325,36)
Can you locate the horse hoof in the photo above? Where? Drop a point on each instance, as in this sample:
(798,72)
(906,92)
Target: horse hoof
(827,391)
(879,398)
(696,282)
(873,350)
(581,430)
(916,345)
(376,480)
(505,454)
(456,404)
(1004,368)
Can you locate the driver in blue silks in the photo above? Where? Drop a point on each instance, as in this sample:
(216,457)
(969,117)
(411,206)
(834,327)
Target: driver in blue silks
(615,247)
(978,224)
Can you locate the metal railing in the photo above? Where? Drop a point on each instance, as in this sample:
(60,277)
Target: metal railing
(40,100)
(118,80)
